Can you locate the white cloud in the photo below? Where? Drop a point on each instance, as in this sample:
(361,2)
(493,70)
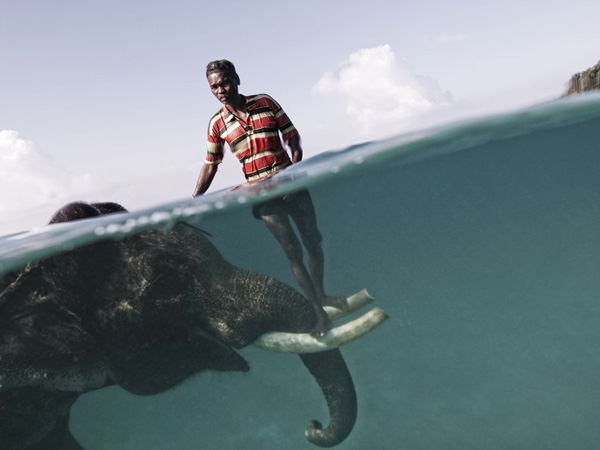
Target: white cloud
(33,185)
(32,181)
(445,38)
(382,92)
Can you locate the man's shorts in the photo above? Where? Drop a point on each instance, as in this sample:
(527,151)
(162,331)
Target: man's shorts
(295,204)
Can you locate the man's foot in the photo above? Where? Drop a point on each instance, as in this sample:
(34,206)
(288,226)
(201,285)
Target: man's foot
(335,301)
(322,326)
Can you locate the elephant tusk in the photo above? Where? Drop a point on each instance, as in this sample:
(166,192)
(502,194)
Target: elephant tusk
(354,303)
(305,343)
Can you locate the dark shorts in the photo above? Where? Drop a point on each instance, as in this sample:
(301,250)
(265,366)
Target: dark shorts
(295,204)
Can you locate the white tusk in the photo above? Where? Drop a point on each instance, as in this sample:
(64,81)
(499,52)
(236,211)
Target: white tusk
(354,302)
(305,343)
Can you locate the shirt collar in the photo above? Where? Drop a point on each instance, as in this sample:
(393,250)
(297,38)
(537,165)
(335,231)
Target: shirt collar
(228,116)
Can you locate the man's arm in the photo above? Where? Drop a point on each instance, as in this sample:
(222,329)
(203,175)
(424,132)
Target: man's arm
(207,173)
(296,148)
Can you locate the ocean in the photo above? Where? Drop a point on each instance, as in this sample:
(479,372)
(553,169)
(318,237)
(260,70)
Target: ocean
(481,240)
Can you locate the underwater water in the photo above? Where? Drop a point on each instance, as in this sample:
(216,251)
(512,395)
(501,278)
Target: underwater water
(480,240)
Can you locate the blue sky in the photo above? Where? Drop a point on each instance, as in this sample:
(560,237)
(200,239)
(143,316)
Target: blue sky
(109,97)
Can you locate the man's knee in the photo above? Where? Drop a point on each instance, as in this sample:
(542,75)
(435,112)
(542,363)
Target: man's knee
(293,250)
(313,240)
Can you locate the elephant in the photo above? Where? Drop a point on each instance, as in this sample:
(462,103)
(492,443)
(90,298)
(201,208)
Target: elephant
(145,313)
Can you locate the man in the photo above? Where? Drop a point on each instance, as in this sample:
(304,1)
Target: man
(251,126)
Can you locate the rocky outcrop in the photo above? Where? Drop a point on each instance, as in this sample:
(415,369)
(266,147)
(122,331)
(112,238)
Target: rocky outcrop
(584,81)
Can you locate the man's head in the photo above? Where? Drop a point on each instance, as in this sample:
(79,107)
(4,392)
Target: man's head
(223,80)
(222,65)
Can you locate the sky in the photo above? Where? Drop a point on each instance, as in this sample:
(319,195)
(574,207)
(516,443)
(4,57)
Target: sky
(104,100)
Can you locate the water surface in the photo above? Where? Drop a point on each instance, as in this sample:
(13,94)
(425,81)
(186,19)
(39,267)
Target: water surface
(481,241)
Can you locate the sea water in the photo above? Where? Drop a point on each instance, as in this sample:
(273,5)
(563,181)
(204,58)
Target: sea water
(481,240)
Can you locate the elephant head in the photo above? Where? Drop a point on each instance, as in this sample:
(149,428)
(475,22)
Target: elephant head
(145,313)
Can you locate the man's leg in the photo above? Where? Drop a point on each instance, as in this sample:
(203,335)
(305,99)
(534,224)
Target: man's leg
(303,213)
(279,225)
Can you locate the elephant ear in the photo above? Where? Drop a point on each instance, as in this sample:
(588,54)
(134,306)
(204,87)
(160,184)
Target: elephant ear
(153,359)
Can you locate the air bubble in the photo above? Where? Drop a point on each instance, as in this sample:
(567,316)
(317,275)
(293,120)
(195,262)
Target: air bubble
(112,228)
(160,217)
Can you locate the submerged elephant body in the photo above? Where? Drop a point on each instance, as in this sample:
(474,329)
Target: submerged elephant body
(144,313)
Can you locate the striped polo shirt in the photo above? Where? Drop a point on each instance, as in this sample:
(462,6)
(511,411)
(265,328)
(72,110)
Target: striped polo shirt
(256,143)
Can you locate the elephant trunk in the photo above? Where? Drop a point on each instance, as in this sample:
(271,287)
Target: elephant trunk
(332,375)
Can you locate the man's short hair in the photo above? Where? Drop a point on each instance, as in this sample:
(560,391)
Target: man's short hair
(221,65)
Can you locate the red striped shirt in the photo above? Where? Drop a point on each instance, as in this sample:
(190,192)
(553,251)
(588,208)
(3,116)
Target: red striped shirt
(256,143)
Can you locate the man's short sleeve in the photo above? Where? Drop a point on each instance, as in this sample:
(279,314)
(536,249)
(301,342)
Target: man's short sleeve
(285,125)
(215,145)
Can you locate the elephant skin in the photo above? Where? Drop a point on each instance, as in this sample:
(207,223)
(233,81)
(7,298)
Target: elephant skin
(144,313)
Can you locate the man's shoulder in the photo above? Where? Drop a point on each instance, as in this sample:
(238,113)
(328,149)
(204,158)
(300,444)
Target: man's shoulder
(216,116)
(262,99)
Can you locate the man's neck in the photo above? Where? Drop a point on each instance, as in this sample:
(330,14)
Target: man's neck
(238,106)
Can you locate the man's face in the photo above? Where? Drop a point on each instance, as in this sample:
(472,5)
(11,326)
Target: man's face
(223,85)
